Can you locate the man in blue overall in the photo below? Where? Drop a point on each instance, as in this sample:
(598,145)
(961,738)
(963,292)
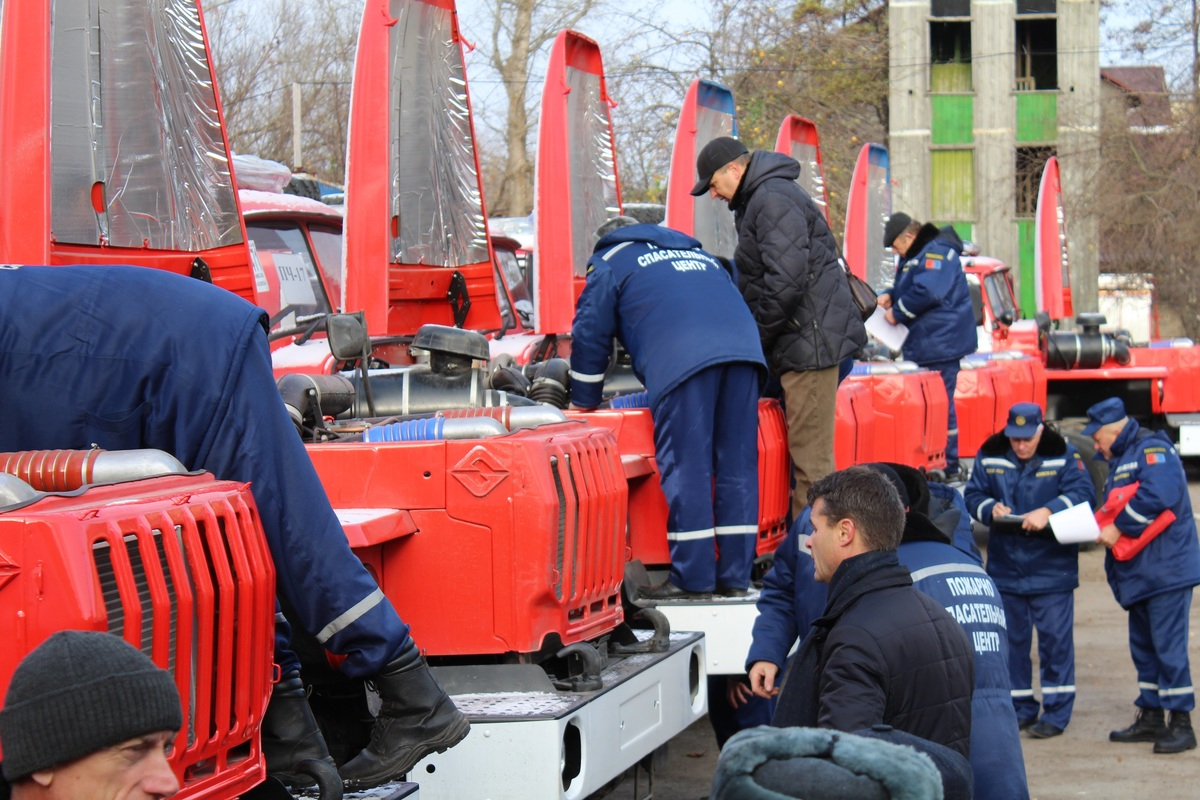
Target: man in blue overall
(127,358)
(931,297)
(695,347)
(1029,471)
(950,574)
(1155,585)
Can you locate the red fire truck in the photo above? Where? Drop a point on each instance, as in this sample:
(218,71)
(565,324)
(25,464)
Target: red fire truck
(504,550)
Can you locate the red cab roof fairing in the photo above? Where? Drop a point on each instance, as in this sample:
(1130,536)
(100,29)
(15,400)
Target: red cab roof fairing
(868,206)
(799,139)
(576,187)
(415,215)
(708,112)
(124,97)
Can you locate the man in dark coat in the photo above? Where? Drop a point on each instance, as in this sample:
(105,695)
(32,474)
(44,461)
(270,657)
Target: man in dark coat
(791,274)
(882,653)
(1022,475)
(938,550)
(930,296)
(679,316)
(1155,584)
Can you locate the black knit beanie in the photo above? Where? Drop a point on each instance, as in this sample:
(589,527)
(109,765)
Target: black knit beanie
(894,227)
(79,692)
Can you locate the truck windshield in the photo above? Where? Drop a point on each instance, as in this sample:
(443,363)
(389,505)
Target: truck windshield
(1000,296)
(294,289)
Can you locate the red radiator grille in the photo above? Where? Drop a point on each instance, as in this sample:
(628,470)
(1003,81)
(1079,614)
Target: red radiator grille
(592,498)
(193,586)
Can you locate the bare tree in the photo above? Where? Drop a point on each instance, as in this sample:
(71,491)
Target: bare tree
(1168,32)
(1149,190)
(260,49)
(520,31)
(822,59)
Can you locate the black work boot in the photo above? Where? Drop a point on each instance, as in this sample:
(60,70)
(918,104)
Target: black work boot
(1149,726)
(416,719)
(1179,736)
(290,734)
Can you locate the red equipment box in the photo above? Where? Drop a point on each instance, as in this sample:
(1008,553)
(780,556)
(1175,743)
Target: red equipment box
(855,435)
(530,527)
(774,476)
(910,413)
(980,394)
(175,565)
(1180,392)
(988,386)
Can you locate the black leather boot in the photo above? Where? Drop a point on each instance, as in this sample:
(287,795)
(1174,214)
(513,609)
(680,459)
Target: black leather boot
(416,719)
(1179,736)
(1149,726)
(290,734)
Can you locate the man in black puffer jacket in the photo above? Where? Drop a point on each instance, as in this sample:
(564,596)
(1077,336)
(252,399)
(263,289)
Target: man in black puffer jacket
(790,273)
(882,653)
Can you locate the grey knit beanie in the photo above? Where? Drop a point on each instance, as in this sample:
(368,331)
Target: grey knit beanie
(79,692)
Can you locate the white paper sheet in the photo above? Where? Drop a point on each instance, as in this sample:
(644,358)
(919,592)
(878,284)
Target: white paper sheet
(1075,525)
(892,336)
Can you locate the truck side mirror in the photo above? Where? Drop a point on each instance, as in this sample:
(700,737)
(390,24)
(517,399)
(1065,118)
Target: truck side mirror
(347,336)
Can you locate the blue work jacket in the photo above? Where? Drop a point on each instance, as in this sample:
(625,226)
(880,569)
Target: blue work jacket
(1056,478)
(1172,560)
(931,297)
(673,306)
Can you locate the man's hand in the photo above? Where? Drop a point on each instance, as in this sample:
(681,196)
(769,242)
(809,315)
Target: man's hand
(1037,519)
(889,316)
(884,301)
(738,691)
(1109,535)
(1000,510)
(762,679)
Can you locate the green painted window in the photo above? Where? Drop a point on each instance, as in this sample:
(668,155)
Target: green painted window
(952,184)
(953,118)
(950,78)
(1026,293)
(1037,116)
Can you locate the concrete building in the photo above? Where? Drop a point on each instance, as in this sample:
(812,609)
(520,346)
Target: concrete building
(982,92)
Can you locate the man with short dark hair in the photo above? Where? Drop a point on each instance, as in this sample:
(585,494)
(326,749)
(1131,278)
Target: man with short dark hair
(678,314)
(1022,475)
(791,275)
(882,653)
(88,715)
(938,551)
(930,296)
(1155,584)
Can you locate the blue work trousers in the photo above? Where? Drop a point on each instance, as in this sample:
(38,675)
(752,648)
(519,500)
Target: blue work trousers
(1053,615)
(706,445)
(1158,641)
